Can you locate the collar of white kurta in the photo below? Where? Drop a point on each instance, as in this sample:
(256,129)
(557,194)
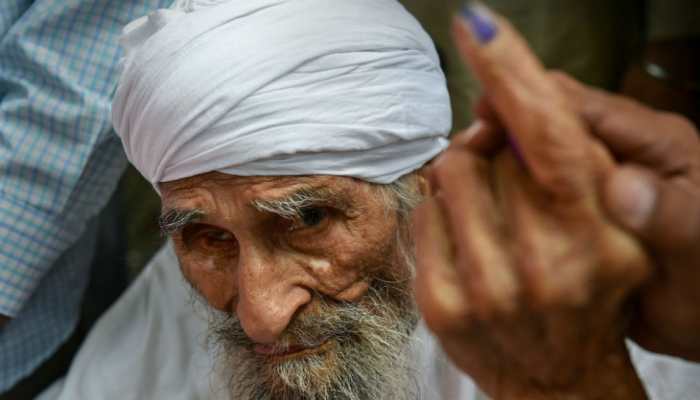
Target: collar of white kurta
(274,87)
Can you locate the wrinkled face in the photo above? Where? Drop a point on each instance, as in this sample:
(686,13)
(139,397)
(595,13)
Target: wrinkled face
(308,279)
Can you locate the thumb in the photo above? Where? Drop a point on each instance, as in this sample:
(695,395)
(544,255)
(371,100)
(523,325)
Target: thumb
(664,213)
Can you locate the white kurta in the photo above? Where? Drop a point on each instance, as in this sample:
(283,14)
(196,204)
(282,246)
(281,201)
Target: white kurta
(149,345)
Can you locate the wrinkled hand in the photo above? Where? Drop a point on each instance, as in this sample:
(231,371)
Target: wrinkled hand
(655,194)
(520,273)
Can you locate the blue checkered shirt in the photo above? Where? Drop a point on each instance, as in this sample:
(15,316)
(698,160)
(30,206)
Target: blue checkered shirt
(59,163)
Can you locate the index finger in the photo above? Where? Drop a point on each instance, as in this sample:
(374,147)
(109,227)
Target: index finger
(546,132)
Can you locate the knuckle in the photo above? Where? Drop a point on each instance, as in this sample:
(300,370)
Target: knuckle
(442,303)
(495,296)
(567,285)
(446,320)
(622,262)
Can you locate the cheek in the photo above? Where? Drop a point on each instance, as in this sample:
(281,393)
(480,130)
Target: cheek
(352,255)
(335,279)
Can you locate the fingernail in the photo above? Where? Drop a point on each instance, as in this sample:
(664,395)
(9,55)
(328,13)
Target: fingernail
(480,21)
(633,197)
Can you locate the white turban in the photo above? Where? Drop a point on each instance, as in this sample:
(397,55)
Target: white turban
(275,87)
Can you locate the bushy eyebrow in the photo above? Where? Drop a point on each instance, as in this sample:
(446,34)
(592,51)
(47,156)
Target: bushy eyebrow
(292,205)
(173,220)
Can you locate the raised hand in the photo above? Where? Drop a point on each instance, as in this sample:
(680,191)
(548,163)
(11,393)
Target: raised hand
(521,273)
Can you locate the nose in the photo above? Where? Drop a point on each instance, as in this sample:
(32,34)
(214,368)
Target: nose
(268,296)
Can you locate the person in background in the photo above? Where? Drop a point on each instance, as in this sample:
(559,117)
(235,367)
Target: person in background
(59,164)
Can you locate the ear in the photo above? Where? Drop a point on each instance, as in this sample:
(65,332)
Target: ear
(422,178)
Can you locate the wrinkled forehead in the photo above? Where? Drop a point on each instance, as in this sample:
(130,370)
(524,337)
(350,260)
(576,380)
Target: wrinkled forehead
(204,190)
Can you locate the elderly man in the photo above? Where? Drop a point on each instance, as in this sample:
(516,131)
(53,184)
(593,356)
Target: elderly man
(286,140)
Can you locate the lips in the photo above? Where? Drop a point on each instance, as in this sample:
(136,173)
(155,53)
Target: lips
(272,350)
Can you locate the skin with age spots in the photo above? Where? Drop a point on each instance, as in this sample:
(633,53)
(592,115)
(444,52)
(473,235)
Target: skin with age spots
(319,264)
(265,267)
(307,279)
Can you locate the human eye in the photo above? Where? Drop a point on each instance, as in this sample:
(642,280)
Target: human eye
(209,238)
(217,236)
(310,217)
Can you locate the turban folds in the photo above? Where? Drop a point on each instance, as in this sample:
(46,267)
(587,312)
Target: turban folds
(280,87)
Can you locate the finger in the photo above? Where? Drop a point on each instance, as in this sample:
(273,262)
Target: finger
(553,247)
(591,101)
(473,222)
(481,137)
(544,280)
(551,138)
(438,292)
(665,213)
(634,132)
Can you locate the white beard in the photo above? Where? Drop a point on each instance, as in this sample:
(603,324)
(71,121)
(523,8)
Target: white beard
(372,355)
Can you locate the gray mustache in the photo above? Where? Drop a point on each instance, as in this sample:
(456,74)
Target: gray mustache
(333,320)
(371,358)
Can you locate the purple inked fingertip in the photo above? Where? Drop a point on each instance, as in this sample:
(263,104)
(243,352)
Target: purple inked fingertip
(480,21)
